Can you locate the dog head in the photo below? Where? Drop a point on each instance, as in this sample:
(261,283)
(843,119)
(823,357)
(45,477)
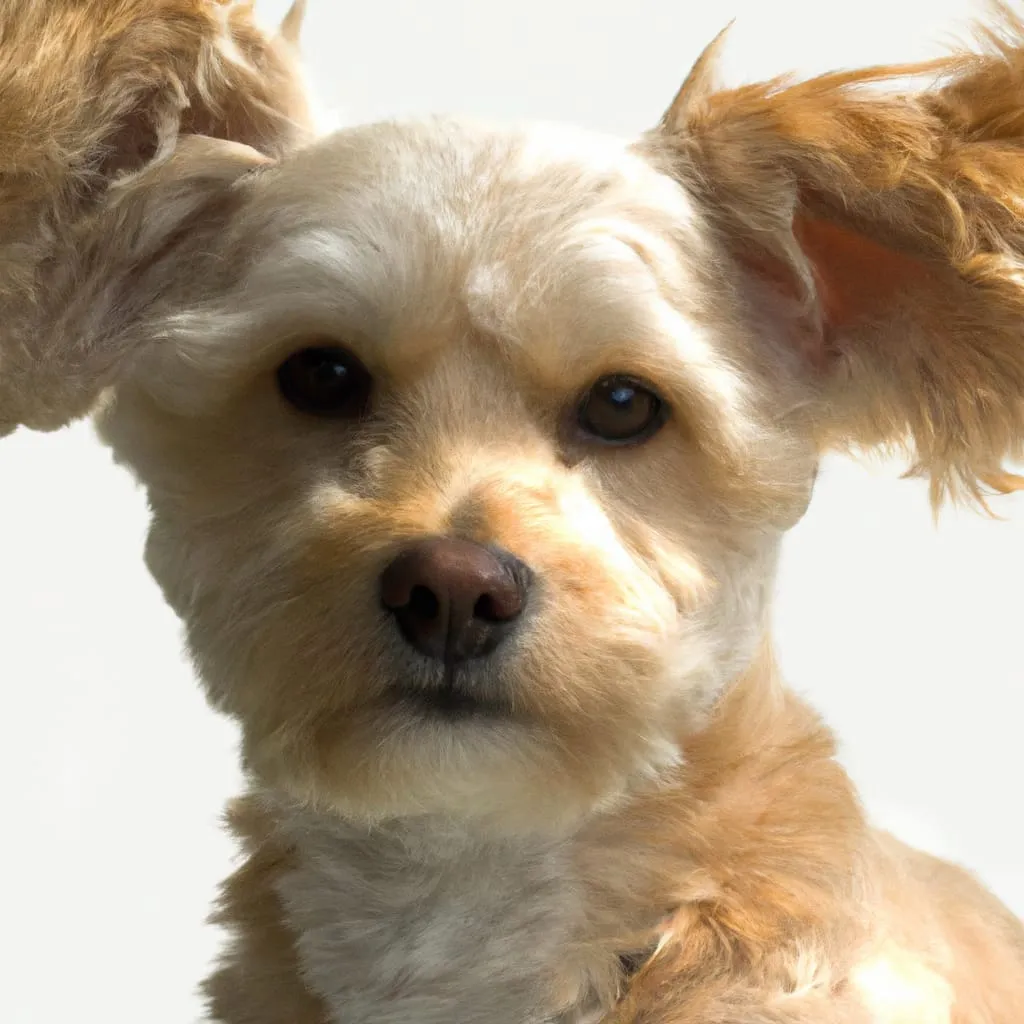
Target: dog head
(470,449)
(467,492)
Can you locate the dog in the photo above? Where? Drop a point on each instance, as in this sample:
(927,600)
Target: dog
(470,452)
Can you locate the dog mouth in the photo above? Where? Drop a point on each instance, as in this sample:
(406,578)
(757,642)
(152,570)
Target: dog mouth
(452,698)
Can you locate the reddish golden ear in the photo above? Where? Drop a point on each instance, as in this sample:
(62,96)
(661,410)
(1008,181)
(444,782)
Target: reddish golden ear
(956,390)
(880,235)
(857,279)
(843,279)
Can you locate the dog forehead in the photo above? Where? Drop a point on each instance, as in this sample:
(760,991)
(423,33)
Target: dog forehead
(459,163)
(408,227)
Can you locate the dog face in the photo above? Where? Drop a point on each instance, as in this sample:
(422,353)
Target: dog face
(464,478)
(470,451)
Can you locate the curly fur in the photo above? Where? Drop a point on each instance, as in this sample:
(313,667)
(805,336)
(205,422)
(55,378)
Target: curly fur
(820,181)
(92,93)
(653,830)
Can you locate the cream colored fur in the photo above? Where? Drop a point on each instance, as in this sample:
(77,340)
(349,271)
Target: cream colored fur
(653,829)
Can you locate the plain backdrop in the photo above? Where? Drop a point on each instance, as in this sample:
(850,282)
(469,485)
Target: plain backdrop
(908,637)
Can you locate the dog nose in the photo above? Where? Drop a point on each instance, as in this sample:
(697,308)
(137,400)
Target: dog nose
(454,599)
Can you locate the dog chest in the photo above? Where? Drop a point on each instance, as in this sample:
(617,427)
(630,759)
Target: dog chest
(423,925)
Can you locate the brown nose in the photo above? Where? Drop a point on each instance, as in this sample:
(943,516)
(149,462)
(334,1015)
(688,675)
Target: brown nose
(454,599)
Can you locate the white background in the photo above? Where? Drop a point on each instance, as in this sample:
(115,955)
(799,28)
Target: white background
(113,772)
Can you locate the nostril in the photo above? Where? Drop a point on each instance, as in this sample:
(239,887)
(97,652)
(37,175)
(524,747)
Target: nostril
(423,603)
(501,604)
(486,610)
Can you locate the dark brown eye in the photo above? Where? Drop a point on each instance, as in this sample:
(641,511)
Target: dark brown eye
(621,410)
(326,381)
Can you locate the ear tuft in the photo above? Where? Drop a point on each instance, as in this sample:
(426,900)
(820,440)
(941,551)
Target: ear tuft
(291,26)
(700,84)
(886,228)
(1003,482)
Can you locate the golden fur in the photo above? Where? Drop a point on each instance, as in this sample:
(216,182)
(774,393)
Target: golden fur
(824,179)
(260,977)
(92,92)
(655,830)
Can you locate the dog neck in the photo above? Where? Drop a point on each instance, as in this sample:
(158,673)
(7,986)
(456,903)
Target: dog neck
(416,916)
(426,920)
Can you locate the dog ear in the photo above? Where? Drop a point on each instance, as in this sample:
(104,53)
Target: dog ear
(881,234)
(94,94)
(158,243)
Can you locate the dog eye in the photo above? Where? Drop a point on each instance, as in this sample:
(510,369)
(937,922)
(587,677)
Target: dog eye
(326,381)
(621,410)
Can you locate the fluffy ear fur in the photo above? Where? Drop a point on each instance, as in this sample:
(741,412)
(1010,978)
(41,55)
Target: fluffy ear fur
(154,245)
(891,225)
(91,93)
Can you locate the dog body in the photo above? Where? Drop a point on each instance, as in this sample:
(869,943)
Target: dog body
(432,925)
(470,452)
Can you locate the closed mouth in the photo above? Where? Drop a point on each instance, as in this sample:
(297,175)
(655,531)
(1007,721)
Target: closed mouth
(450,701)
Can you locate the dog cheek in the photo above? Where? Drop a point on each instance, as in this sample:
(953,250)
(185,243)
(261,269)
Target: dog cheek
(278,632)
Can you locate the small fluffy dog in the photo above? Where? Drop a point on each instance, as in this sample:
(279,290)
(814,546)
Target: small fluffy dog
(470,451)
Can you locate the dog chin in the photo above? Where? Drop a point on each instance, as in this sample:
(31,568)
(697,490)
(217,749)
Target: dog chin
(438,753)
